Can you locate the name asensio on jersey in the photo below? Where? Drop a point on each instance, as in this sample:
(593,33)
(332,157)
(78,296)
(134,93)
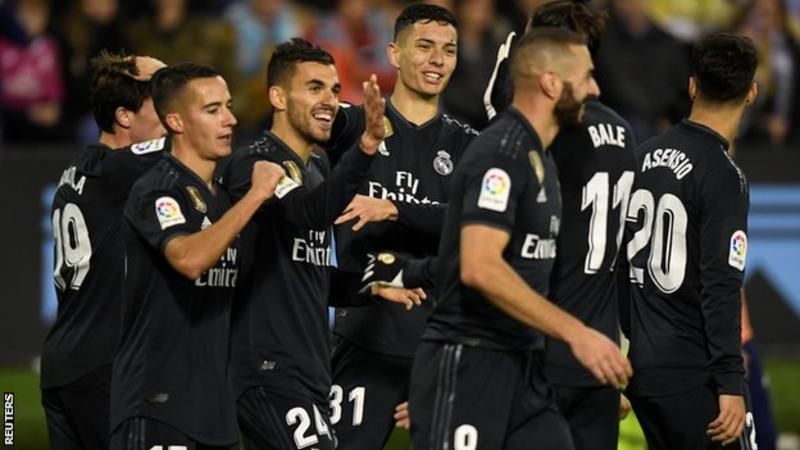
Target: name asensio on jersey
(68,178)
(671,158)
(406,190)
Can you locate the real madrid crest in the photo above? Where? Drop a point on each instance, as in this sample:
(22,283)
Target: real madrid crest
(293,171)
(442,164)
(536,163)
(197,199)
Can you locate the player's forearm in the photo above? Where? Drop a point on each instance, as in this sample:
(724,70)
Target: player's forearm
(508,291)
(318,208)
(425,218)
(722,318)
(193,254)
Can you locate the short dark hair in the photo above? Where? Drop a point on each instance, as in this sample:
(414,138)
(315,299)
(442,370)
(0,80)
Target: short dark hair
(289,54)
(421,12)
(170,81)
(113,87)
(723,66)
(574,16)
(538,40)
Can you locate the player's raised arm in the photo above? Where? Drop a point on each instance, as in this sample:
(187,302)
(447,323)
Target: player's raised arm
(193,254)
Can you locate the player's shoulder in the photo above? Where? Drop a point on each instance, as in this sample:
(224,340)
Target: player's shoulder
(597,111)
(163,176)
(149,147)
(510,135)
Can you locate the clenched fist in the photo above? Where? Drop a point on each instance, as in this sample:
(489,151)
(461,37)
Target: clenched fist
(265,178)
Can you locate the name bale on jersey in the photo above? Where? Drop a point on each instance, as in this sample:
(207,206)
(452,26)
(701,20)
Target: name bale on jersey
(671,158)
(312,250)
(406,187)
(607,134)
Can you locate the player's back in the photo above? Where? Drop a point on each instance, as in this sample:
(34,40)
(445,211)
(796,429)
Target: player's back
(596,169)
(89,257)
(686,225)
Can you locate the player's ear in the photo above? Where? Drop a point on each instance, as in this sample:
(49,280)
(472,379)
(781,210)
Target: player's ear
(751,94)
(122,117)
(174,122)
(393,54)
(551,85)
(692,88)
(277,98)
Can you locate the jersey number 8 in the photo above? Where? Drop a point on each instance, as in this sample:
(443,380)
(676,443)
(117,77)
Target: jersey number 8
(72,245)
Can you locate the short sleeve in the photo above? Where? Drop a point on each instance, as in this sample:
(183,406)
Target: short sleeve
(158,215)
(493,188)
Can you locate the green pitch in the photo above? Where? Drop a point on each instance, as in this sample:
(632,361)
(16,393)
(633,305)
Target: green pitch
(31,433)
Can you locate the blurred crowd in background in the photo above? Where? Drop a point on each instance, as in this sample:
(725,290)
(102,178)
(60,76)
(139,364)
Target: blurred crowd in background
(641,66)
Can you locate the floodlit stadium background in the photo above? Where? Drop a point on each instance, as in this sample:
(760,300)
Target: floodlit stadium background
(641,69)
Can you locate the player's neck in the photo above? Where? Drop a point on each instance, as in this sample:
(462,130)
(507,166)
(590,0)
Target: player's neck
(202,167)
(115,140)
(301,146)
(540,115)
(412,106)
(724,120)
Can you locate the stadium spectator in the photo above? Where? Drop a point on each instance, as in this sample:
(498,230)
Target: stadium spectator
(766,23)
(87,27)
(356,34)
(642,70)
(480,32)
(32,91)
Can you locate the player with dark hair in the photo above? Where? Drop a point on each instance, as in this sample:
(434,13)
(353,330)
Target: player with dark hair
(688,225)
(478,379)
(281,340)
(89,257)
(406,194)
(169,386)
(595,162)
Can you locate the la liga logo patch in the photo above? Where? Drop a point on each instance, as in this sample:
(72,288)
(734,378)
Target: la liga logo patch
(738,249)
(168,212)
(495,188)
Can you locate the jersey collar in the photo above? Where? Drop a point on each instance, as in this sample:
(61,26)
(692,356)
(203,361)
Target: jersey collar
(514,112)
(392,111)
(701,130)
(190,173)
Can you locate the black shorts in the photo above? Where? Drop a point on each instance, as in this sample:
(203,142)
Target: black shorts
(680,421)
(366,388)
(468,398)
(77,413)
(143,433)
(592,414)
(280,420)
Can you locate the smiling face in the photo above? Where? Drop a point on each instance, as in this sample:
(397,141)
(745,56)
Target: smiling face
(312,99)
(204,118)
(425,57)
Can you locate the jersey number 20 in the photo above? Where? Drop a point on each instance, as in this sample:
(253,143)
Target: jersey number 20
(664,229)
(73,248)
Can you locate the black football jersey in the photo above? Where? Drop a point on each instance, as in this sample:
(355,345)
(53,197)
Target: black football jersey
(687,222)
(413,168)
(87,218)
(595,167)
(280,334)
(172,360)
(507,181)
